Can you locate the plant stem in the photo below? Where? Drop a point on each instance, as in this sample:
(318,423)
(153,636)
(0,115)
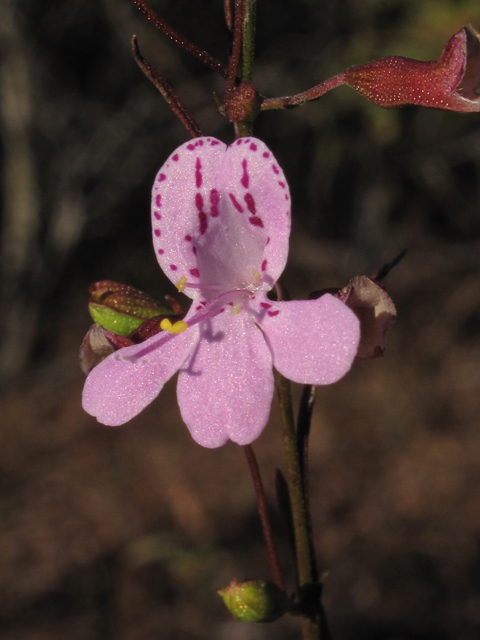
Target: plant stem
(265,520)
(171,98)
(298,99)
(236,47)
(303,432)
(180,40)
(248,53)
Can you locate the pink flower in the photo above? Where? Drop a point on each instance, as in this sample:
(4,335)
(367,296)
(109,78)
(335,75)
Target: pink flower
(221,223)
(450,83)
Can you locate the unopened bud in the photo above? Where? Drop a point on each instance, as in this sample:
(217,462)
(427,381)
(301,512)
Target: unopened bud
(120,308)
(254,600)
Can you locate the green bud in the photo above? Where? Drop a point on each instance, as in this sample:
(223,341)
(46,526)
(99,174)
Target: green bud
(120,308)
(254,600)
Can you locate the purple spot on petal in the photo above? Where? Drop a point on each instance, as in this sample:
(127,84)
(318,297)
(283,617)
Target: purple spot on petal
(194,249)
(253,146)
(161,252)
(265,154)
(244,179)
(275,169)
(198,173)
(157,215)
(214,142)
(199,308)
(195,272)
(250,203)
(203,222)
(274,313)
(246,140)
(191,147)
(175,157)
(265,305)
(282,184)
(199,201)
(239,141)
(237,206)
(286,196)
(173,267)
(264,265)
(230,304)
(256,221)
(188,238)
(162,177)
(200,143)
(222,310)
(158,200)
(158,233)
(214,199)
(268,240)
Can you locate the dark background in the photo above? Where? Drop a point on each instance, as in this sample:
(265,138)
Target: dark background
(125,533)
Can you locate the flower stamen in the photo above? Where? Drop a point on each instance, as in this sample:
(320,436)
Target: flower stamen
(178,327)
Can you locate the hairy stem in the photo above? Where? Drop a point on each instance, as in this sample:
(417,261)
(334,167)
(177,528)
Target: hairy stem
(171,98)
(180,40)
(248,53)
(288,102)
(264,518)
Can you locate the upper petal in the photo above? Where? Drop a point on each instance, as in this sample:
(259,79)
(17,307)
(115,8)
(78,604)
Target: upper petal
(183,199)
(127,381)
(221,215)
(225,388)
(313,341)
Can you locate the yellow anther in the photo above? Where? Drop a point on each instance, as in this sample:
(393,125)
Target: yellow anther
(179,327)
(181,284)
(256,275)
(237,307)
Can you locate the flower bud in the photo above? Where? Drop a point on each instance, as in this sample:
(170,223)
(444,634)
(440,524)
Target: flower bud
(449,83)
(120,308)
(97,345)
(375,310)
(254,600)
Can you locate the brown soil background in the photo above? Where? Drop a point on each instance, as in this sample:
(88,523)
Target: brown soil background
(124,533)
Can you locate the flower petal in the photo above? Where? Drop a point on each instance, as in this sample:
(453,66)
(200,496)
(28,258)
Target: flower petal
(221,215)
(313,341)
(128,380)
(253,180)
(183,200)
(225,389)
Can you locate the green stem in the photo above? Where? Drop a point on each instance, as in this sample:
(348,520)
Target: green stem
(248,52)
(295,484)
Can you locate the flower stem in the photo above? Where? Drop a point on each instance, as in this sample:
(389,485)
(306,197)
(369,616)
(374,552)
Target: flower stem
(180,40)
(265,520)
(171,98)
(248,53)
(298,99)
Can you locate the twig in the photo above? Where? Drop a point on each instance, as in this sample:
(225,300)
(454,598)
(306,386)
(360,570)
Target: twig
(288,102)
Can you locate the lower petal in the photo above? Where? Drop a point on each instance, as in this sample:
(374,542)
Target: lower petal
(313,341)
(128,380)
(225,388)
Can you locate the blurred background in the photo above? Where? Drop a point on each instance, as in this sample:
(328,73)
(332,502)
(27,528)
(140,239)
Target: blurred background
(125,533)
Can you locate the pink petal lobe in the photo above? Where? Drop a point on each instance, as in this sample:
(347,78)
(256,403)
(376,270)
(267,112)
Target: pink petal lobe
(313,341)
(182,201)
(253,179)
(127,381)
(225,389)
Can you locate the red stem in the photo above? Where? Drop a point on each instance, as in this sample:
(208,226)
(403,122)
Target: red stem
(171,98)
(180,40)
(236,48)
(300,98)
(265,520)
